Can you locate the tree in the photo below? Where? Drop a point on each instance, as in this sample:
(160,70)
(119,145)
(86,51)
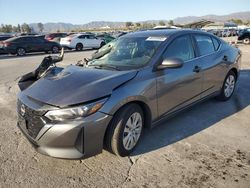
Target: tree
(26,28)
(40,27)
(129,24)
(138,24)
(18,28)
(170,22)
(6,28)
(162,23)
(147,25)
(237,21)
(14,29)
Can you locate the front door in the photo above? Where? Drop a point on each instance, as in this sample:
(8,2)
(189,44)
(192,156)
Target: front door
(179,87)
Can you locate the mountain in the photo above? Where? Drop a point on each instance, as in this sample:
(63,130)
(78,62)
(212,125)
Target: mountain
(244,16)
(53,27)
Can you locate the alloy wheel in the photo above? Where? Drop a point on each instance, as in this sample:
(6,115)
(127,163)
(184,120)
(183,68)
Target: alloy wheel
(20,52)
(132,131)
(229,86)
(55,49)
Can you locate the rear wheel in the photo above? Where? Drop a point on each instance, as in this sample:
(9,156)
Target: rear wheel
(55,49)
(246,41)
(228,87)
(79,47)
(20,51)
(125,130)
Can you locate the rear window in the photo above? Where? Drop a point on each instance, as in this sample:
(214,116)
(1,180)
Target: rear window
(205,44)
(18,39)
(12,39)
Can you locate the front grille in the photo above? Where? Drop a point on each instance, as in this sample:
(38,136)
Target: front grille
(34,121)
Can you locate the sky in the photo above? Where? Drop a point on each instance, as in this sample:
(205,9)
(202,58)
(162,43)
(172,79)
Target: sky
(80,11)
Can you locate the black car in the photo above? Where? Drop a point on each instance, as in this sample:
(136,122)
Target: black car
(245,36)
(22,45)
(5,37)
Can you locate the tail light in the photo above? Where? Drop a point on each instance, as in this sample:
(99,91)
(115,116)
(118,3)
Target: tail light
(6,44)
(49,38)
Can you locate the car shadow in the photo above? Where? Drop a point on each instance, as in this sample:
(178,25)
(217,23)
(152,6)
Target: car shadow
(9,56)
(196,119)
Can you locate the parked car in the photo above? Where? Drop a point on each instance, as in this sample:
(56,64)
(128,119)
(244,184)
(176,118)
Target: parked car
(3,38)
(144,78)
(25,44)
(226,33)
(244,36)
(105,37)
(41,36)
(81,41)
(27,34)
(119,34)
(55,37)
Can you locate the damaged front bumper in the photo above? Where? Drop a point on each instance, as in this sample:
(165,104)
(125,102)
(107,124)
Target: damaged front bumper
(73,139)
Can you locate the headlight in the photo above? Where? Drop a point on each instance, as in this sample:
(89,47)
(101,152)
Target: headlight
(75,112)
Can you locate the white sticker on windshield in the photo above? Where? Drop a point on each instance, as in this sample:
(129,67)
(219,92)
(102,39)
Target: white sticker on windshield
(161,39)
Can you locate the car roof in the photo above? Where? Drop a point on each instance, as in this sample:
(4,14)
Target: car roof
(20,37)
(162,32)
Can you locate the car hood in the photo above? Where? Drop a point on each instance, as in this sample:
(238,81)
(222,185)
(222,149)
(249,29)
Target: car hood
(75,85)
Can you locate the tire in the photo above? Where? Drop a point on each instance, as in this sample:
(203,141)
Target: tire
(246,41)
(55,49)
(228,87)
(121,137)
(79,47)
(20,52)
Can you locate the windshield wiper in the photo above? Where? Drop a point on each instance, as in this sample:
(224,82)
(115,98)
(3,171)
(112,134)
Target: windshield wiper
(105,66)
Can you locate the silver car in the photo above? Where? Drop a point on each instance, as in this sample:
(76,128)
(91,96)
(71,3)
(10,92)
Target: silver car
(129,85)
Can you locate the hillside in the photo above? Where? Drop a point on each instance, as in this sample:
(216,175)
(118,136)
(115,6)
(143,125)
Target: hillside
(53,27)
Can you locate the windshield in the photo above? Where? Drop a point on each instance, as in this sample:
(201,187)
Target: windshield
(128,52)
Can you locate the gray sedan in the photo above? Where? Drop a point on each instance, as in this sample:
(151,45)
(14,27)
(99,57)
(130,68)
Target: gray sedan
(131,84)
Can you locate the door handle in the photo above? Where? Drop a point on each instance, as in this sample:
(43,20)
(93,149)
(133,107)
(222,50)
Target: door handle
(197,69)
(225,58)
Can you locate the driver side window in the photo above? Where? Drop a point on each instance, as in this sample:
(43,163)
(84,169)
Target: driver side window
(180,48)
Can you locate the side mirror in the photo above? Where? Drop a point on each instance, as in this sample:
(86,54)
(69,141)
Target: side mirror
(170,63)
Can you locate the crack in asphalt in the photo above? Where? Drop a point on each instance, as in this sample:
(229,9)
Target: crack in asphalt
(87,166)
(132,164)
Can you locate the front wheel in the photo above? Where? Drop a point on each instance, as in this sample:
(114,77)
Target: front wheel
(228,87)
(125,130)
(20,52)
(55,49)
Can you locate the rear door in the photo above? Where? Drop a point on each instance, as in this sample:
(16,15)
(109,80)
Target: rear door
(37,44)
(28,44)
(179,87)
(211,59)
